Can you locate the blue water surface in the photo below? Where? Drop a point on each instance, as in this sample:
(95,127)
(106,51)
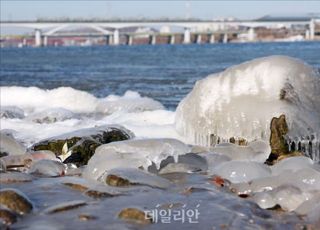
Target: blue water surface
(163,72)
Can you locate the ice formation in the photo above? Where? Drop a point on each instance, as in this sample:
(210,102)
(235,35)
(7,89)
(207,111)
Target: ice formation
(241,101)
(241,171)
(9,146)
(254,151)
(48,168)
(133,154)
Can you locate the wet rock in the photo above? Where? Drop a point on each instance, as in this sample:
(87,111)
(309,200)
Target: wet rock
(65,206)
(79,146)
(279,129)
(86,217)
(77,187)
(134,215)
(98,194)
(7,217)
(129,176)
(238,141)
(114,180)
(48,168)
(15,201)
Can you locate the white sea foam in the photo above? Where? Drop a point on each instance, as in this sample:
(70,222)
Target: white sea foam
(47,113)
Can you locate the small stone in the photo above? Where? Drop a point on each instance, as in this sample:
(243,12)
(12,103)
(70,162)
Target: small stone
(135,215)
(7,217)
(97,194)
(65,206)
(78,187)
(15,201)
(114,180)
(86,217)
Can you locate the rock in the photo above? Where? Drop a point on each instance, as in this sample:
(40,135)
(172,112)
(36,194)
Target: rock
(130,176)
(114,180)
(79,146)
(15,201)
(279,129)
(66,206)
(86,217)
(98,194)
(134,215)
(7,217)
(77,187)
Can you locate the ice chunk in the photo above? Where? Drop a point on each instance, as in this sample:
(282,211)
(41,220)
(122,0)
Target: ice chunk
(289,197)
(255,151)
(241,171)
(213,160)
(264,200)
(242,100)
(292,164)
(9,146)
(129,102)
(48,168)
(133,154)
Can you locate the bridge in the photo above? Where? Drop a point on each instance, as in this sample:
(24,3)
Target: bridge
(112,29)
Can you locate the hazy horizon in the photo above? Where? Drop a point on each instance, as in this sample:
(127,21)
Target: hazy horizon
(32,10)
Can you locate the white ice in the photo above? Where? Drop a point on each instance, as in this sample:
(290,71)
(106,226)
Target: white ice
(242,100)
(133,154)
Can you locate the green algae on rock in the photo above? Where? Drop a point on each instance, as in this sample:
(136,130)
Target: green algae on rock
(79,146)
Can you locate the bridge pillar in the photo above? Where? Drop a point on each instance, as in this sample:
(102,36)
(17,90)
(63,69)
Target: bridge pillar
(152,39)
(198,40)
(45,41)
(172,39)
(129,40)
(186,36)
(251,35)
(24,42)
(311,29)
(211,38)
(225,38)
(116,37)
(37,38)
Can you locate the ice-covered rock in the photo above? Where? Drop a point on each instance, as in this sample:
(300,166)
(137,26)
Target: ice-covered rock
(242,100)
(133,154)
(255,151)
(78,146)
(291,164)
(134,176)
(213,160)
(9,146)
(289,197)
(264,200)
(48,168)
(242,171)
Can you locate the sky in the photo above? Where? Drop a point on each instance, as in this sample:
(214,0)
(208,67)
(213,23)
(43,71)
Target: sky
(32,10)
